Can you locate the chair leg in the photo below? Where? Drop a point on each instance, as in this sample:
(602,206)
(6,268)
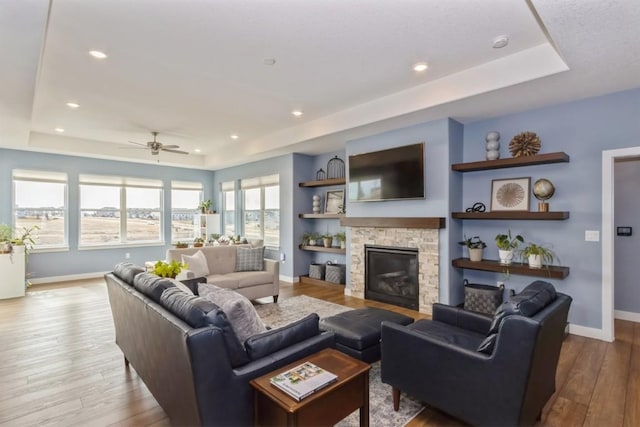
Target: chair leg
(126,362)
(275,298)
(396,398)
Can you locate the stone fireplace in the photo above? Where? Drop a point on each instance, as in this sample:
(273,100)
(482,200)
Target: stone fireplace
(391,275)
(417,234)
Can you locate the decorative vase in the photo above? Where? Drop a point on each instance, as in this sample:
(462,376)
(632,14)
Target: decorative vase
(475,254)
(535,261)
(493,145)
(343,244)
(505,256)
(316,204)
(328,241)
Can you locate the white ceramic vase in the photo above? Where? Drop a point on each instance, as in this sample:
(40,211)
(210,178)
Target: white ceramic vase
(475,254)
(535,261)
(505,256)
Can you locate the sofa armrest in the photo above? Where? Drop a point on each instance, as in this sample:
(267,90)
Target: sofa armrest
(273,267)
(264,344)
(465,319)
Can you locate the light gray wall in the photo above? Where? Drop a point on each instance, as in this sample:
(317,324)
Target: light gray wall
(582,129)
(74,261)
(627,214)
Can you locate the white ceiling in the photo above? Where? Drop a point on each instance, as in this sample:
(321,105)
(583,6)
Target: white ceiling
(194,70)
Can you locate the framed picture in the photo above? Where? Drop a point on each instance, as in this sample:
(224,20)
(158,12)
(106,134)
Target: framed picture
(510,194)
(334,202)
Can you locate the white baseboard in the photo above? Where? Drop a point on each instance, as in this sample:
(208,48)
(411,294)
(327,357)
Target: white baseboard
(347,291)
(289,279)
(584,331)
(67,278)
(627,315)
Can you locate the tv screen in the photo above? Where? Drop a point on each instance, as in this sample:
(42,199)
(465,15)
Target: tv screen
(393,174)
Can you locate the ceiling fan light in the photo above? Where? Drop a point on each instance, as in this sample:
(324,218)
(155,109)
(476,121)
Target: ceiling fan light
(97,54)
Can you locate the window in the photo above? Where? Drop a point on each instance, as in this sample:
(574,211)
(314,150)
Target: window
(185,198)
(117,210)
(228,190)
(40,199)
(261,209)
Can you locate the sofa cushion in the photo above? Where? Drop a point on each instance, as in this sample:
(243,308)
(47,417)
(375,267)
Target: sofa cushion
(127,271)
(274,340)
(447,333)
(223,281)
(246,279)
(184,288)
(197,263)
(199,312)
(528,302)
(241,313)
(250,259)
(151,285)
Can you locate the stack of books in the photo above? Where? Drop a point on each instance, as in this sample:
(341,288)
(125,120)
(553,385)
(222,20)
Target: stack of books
(303,380)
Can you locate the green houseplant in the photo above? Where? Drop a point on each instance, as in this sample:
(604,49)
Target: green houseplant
(475,246)
(205,206)
(198,242)
(168,269)
(341,236)
(538,255)
(327,240)
(507,245)
(6,235)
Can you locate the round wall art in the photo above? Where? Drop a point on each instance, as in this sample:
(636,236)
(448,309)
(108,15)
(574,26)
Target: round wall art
(510,194)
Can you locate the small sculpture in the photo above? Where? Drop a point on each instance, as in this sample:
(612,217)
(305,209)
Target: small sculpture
(543,189)
(493,145)
(316,204)
(525,144)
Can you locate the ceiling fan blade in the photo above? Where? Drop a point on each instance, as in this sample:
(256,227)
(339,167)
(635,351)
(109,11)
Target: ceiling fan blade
(170,147)
(174,151)
(137,143)
(133,148)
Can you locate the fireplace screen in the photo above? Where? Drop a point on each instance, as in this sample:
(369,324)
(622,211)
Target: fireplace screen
(391,275)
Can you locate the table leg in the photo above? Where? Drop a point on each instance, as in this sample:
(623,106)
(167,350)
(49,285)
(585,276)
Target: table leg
(364,410)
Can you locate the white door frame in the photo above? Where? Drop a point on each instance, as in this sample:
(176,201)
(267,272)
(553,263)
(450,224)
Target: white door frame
(608,226)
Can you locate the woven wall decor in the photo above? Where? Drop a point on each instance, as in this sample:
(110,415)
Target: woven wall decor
(525,144)
(335,168)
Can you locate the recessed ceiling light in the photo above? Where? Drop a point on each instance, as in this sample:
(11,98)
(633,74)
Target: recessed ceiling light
(420,66)
(269,61)
(73,105)
(197,150)
(59,130)
(97,54)
(500,42)
(297,113)
(234,136)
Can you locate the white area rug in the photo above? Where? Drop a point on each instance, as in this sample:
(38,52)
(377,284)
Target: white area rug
(381,411)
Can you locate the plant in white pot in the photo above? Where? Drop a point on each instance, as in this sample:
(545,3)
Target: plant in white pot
(341,236)
(475,246)
(538,255)
(6,235)
(507,245)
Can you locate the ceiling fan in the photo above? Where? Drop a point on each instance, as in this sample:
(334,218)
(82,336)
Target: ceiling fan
(156,146)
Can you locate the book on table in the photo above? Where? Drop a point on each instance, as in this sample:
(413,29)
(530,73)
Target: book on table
(303,380)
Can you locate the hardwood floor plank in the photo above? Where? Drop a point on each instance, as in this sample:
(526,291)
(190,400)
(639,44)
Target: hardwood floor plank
(60,365)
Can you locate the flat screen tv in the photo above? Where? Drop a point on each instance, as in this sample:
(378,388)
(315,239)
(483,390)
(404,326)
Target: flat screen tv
(393,174)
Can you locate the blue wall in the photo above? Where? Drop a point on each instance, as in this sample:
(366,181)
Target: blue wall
(74,261)
(582,129)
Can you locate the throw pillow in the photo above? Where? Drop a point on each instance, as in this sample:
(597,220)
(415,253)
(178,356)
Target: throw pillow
(250,259)
(273,340)
(127,271)
(151,285)
(197,264)
(241,314)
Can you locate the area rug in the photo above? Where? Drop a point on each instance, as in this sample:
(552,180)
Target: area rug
(381,411)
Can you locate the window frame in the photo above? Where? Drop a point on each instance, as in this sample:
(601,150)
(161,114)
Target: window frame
(229,187)
(185,186)
(261,183)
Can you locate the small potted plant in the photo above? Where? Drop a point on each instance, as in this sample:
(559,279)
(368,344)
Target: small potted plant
(198,242)
(507,245)
(475,246)
(306,239)
(327,240)
(181,245)
(168,269)
(341,236)
(538,255)
(213,238)
(205,206)
(6,235)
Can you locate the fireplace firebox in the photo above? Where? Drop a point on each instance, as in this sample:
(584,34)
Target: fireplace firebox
(391,275)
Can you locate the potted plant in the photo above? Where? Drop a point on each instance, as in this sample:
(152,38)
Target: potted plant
(168,269)
(182,245)
(475,246)
(6,235)
(507,245)
(214,238)
(204,206)
(341,236)
(198,242)
(538,255)
(25,238)
(306,239)
(327,240)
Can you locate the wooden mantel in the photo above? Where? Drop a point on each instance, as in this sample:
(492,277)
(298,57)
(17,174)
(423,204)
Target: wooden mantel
(395,222)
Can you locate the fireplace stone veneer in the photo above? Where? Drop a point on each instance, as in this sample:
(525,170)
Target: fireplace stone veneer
(425,240)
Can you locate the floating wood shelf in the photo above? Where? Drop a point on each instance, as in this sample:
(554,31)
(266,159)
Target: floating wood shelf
(323,249)
(312,281)
(320,216)
(323,183)
(550,272)
(513,215)
(396,222)
(539,159)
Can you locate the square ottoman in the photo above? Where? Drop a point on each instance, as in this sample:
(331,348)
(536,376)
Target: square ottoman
(358,331)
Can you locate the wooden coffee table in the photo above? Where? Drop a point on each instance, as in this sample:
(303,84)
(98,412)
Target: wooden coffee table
(327,406)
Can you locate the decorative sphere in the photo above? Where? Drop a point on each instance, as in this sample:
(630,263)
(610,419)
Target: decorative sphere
(492,145)
(493,136)
(543,189)
(493,155)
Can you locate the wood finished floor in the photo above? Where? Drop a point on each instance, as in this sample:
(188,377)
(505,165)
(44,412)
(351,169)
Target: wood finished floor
(59,366)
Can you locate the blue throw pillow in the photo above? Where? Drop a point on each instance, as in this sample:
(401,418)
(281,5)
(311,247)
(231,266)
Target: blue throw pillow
(127,271)
(151,285)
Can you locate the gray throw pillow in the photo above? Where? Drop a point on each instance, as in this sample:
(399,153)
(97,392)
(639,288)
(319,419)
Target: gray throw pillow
(241,314)
(250,259)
